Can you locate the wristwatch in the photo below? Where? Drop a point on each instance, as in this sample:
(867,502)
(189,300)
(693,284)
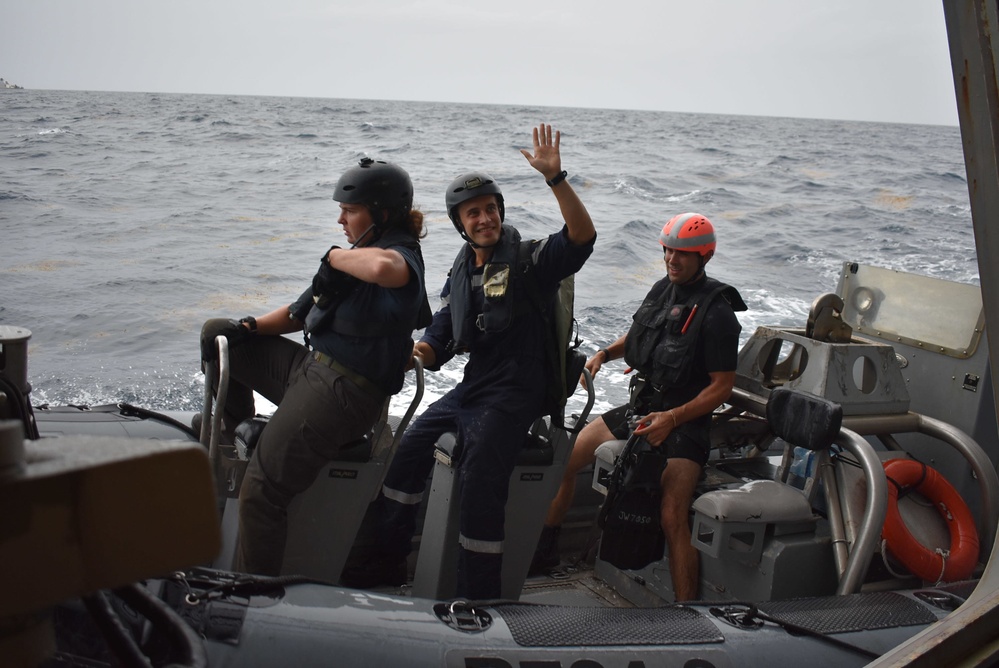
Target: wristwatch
(557,179)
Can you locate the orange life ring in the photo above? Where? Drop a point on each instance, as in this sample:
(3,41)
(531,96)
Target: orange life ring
(928,564)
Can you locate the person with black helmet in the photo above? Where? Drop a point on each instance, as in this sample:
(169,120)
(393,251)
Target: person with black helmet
(487,314)
(358,317)
(683,345)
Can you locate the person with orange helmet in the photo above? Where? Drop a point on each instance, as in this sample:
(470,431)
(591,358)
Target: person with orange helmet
(683,343)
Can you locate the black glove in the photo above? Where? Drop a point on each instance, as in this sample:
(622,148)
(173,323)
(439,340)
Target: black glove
(234,332)
(329,284)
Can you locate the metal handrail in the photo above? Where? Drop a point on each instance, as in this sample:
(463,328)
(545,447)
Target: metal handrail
(875,508)
(413,405)
(211,421)
(403,423)
(981,465)
(852,564)
(590,399)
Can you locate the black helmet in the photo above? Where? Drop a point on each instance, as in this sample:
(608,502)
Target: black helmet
(377,185)
(466,187)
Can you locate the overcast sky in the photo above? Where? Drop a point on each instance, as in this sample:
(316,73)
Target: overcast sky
(875,60)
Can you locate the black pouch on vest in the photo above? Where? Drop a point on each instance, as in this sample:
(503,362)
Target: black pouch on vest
(632,537)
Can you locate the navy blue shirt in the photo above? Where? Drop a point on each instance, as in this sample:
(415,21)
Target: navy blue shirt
(502,364)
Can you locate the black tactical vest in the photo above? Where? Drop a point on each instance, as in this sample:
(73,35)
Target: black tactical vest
(666,328)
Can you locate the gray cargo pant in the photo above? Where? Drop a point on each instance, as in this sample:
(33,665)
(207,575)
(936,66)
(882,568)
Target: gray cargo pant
(318,412)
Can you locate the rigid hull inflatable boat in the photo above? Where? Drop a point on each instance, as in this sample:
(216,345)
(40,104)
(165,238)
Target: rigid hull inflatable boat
(802,537)
(790,521)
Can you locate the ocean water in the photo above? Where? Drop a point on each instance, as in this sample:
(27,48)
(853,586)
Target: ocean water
(127,219)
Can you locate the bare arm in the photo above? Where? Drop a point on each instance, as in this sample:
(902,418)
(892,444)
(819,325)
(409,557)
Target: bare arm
(381,266)
(657,426)
(277,322)
(548,160)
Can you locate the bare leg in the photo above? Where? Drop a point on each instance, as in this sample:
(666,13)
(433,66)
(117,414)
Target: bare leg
(678,481)
(583,453)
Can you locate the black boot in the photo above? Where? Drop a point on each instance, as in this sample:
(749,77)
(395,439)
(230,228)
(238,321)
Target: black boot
(225,438)
(546,554)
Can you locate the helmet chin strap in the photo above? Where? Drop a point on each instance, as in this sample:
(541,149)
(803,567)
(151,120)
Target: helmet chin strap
(363,236)
(374,227)
(468,239)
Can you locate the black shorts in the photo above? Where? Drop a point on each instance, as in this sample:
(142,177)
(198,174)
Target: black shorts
(680,444)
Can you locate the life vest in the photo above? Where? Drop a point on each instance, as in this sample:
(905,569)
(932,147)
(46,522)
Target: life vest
(666,328)
(503,287)
(333,317)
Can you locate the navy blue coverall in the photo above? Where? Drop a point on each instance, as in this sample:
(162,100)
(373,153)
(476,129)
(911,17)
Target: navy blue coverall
(491,410)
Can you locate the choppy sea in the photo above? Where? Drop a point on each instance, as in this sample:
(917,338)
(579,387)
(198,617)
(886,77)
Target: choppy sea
(127,219)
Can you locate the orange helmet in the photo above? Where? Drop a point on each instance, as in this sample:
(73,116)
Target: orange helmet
(690,232)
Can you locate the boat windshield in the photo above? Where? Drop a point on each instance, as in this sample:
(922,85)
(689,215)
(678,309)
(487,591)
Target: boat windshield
(884,303)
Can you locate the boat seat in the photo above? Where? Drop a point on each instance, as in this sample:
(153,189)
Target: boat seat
(606,456)
(735,523)
(324,520)
(533,484)
(738,521)
(343,487)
